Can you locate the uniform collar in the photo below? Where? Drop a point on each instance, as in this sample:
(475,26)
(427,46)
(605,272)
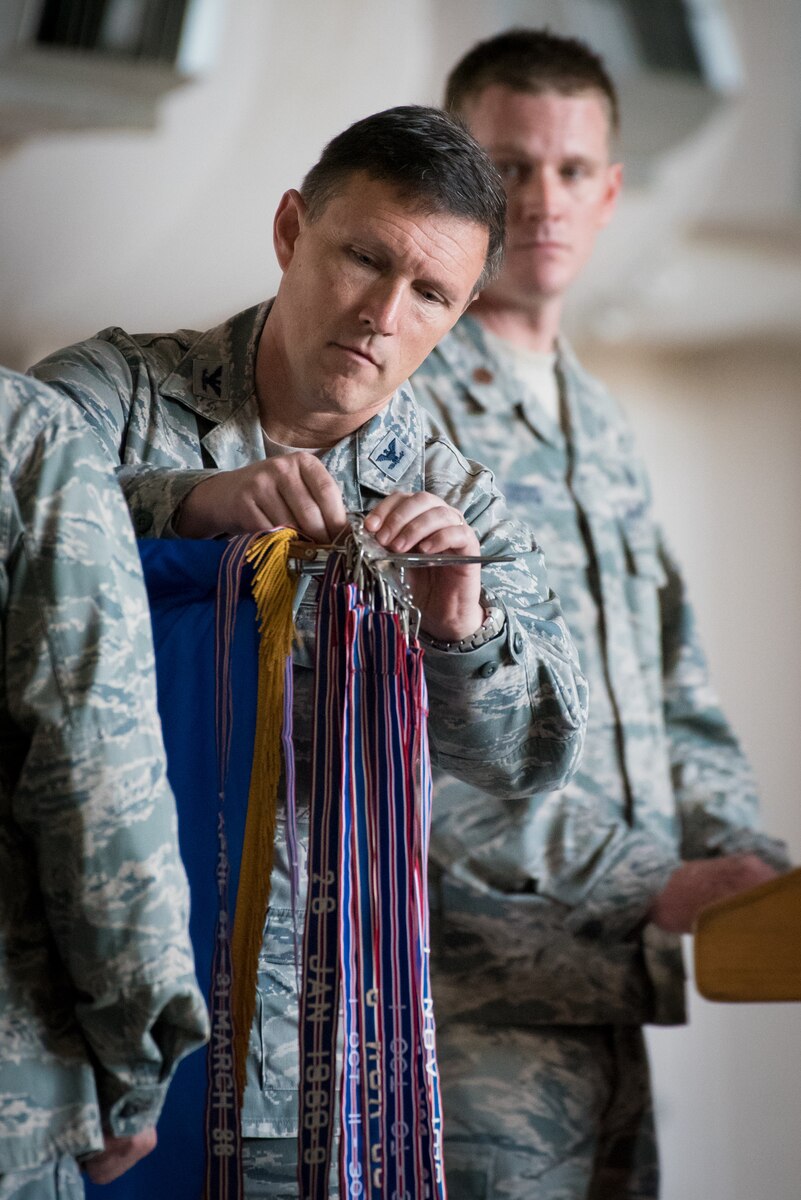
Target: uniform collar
(216,378)
(218,372)
(387,454)
(490,380)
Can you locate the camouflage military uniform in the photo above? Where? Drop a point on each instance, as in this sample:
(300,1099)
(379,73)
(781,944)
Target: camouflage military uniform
(508,716)
(98,999)
(542,904)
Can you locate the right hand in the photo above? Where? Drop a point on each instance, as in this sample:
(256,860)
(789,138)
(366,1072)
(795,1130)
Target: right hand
(694,885)
(294,490)
(118,1155)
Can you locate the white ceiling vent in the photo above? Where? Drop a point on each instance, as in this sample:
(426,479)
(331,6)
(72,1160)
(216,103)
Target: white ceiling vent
(675,62)
(98,64)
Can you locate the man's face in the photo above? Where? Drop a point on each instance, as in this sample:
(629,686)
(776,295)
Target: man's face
(368,289)
(552,152)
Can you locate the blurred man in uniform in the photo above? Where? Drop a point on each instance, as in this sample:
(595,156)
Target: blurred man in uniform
(296,412)
(556,935)
(98,999)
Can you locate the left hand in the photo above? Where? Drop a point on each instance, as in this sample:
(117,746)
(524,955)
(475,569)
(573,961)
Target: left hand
(419,523)
(700,882)
(118,1155)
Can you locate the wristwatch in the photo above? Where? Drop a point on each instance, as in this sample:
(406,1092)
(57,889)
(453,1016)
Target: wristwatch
(491,626)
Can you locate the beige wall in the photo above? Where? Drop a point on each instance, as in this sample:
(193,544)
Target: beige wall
(721,431)
(173,227)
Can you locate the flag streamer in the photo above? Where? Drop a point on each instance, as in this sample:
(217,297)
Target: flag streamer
(366,931)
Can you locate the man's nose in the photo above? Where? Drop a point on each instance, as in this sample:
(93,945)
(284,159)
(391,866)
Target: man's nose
(541,194)
(382,306)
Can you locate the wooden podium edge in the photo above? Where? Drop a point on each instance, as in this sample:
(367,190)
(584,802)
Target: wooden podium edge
(744,982)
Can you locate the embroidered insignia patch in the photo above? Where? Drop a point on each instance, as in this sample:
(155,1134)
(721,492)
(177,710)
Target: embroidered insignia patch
(210,379)
(391,456)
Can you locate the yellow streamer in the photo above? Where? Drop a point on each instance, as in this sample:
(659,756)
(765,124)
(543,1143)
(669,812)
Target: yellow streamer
(273,590)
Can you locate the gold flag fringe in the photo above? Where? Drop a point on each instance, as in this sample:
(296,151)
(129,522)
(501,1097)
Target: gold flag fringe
(273,590)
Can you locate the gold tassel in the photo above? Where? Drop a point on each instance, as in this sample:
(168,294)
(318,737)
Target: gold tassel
(273,590)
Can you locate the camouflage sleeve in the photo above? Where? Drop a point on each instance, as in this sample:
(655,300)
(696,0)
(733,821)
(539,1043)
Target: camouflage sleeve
(508,717)
(91,794)
(107,378)
(154,495)
(603,871)
(103,382)
(611,884)
(712,779)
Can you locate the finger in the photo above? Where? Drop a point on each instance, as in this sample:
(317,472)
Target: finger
(146,1141)
(281,495)
(385,507)
(119,1155)
(304,512)
(327,494)
(458,539)
(401,520)
(439,528)
(260,513)
(95,1170)
(107,1166)
(390,514)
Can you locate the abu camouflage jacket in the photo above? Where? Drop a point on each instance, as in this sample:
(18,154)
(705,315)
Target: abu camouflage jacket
(98,999)
(543,901)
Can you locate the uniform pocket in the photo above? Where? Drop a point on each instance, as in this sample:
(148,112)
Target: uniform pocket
(645,576)
(643,561)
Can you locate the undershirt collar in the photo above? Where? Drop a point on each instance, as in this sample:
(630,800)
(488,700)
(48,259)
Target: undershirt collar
(536,370)
(274,449)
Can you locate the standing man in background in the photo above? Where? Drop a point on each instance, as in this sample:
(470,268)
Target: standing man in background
(98,998)
(556,935)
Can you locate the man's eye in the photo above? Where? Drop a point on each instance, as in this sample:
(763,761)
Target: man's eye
(573,172)
(361,256)
(511,172)
(430,296)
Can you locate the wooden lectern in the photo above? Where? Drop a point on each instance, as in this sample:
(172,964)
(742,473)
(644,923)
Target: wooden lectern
(748,948)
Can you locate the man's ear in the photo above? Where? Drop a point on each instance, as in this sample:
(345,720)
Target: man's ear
(614,182)
(287,224)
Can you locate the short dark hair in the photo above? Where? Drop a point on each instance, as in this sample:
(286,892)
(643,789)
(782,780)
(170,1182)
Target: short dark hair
(531,60)
(430,158)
